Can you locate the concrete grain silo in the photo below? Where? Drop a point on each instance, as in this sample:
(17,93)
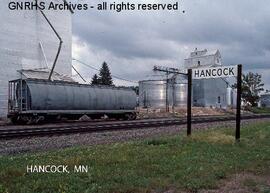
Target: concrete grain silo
(28,42)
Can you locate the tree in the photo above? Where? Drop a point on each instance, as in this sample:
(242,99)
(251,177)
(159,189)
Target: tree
(105,75)
(251,87)
(135,88)
(95,80)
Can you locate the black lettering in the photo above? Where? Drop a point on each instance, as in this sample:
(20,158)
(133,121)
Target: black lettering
(175,6)
(154,7)
(169,6)
(12,6)
(79,7)
(51,6)
(196,73)
(132,6)
(208,72)
(225,71)
(202,74)
(42,5)
(213,72)
(219,72)
(231,71)
(85,6)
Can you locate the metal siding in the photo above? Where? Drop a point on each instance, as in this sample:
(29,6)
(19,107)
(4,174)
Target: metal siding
(152,93)
(180,95)
(20,34)
(198,93)
(50,96)
(265,100)
(207,91)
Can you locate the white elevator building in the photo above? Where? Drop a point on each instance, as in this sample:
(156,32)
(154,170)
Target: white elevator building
(201,58)
(28,43)
(207,92)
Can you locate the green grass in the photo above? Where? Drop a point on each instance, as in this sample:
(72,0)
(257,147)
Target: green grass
(260,110)
(156,165)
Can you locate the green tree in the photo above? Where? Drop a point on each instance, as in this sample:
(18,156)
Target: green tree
(105,76)
(251,87)
(95,80)
(135,88)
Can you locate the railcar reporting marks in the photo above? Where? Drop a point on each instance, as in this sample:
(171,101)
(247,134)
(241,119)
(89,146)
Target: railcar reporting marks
(214,72)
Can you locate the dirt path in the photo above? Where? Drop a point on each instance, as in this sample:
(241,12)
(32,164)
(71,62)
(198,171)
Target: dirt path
(243,183)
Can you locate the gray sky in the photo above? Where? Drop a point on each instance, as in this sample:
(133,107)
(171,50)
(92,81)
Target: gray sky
(131,42)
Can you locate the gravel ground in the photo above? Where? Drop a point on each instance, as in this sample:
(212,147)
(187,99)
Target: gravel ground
(40,144)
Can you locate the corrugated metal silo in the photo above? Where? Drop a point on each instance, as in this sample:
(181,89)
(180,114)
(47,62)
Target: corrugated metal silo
(152,93)
(178,90)
(28,42)
(229,96)
(265,100)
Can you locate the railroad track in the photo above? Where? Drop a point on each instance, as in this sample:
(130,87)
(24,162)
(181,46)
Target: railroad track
(80,128)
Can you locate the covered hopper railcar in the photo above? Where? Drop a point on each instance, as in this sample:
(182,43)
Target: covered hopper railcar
(34,100)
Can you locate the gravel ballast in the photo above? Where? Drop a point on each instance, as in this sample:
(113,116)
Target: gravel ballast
(41,144)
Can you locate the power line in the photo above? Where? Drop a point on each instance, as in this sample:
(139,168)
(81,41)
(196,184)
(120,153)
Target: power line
(93,68)
(78,73)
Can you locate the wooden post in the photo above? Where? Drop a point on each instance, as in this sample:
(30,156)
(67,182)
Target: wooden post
(238,110)
(189,105)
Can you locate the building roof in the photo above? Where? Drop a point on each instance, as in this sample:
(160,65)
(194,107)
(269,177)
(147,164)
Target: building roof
(212,52)
(202,53)
(44,75)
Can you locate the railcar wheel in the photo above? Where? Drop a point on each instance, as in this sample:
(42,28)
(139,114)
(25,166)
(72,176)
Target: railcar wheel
(134,116)
(129,116)
(19,120)
(14,120)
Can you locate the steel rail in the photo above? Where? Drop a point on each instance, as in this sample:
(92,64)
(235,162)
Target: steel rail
(113,126)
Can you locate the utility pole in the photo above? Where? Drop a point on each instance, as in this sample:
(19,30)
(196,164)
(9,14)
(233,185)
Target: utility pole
(176,71)
(167,98)
(168,71)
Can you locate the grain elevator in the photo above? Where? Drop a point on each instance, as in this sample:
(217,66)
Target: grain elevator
(27,42)
(207,92)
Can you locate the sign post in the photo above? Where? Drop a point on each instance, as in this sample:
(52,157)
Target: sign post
(238,110)
(217,72)
(189,102)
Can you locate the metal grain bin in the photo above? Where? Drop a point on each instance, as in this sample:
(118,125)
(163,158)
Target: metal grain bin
(179,94)
(265,100)
(152,93)
(231,97)
(178,90)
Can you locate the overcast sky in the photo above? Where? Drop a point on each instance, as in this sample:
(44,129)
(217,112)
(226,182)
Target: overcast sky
(131,42)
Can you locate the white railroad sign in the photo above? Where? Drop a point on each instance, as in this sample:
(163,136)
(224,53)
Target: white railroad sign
(214,72)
